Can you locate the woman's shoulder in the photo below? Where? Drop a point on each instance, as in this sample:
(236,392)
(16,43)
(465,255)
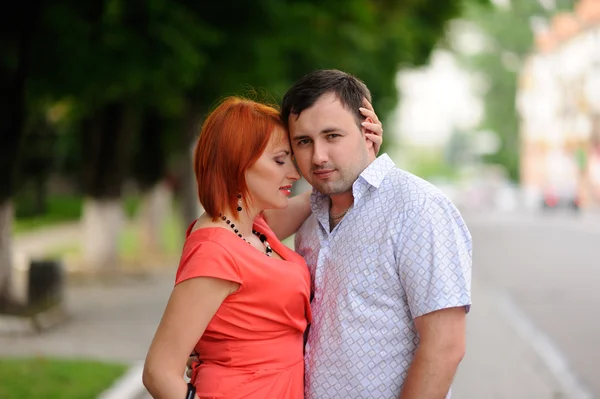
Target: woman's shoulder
(203,222)
(205,229)
(204,235)
(206,253)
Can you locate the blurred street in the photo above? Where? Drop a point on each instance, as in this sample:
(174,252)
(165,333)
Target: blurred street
(548,265)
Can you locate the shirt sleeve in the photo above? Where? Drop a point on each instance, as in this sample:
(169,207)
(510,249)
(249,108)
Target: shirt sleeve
(435,258)
(207,259)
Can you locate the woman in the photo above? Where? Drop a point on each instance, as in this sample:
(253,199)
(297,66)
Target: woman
(241,297)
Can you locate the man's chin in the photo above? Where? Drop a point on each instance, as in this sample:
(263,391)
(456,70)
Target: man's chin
(330,189)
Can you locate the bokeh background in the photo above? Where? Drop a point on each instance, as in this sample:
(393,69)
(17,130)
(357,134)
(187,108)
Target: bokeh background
(495,102)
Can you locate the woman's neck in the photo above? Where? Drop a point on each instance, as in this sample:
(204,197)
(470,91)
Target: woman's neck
(243,222)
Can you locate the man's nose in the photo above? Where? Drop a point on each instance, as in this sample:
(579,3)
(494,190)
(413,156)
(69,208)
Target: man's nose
(319,155)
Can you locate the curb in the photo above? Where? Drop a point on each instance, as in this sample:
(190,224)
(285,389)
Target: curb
(33,324)
(546,350)
(128,386)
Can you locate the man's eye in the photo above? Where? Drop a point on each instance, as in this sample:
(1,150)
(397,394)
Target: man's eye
(303,142)
(332,136)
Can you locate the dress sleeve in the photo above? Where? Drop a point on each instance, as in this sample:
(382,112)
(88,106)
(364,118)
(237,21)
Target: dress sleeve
(435,260)
(207,259)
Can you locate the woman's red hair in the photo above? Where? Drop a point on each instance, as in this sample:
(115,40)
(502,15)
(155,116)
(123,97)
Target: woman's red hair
(232,139)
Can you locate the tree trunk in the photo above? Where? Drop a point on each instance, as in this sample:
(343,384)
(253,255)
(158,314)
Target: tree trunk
(190,204)
(107,146)
(18,29)
(103,221)
(188,193)
(150,172)
(6,217)
(152,217)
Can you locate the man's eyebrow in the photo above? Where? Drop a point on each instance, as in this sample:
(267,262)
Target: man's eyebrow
(323,131)
(301,137)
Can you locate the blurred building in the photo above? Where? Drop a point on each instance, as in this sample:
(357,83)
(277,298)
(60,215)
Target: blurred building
(559,104)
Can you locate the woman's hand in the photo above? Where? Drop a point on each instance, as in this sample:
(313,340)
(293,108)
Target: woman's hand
(372,124)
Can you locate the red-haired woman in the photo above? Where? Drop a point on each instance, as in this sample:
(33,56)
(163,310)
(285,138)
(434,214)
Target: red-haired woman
(241,297)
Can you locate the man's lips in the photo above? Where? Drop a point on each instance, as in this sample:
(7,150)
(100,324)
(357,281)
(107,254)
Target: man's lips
(323,173)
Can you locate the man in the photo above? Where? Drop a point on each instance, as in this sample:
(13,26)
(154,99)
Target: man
(389,256)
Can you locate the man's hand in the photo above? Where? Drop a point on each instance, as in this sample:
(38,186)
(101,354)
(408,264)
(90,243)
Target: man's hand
(372,124)
(189,367)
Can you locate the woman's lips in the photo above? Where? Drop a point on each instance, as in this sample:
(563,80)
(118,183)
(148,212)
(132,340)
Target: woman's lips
(287,190)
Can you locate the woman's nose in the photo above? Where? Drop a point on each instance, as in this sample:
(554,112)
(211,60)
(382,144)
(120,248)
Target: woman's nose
(293,173)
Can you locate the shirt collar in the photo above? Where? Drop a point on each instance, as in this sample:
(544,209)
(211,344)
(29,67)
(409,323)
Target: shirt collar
(377,170)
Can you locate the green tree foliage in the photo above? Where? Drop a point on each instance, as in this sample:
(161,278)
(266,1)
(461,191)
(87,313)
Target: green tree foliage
(508,40)
(101,51)
(269,44)
(18,29)
(111,61)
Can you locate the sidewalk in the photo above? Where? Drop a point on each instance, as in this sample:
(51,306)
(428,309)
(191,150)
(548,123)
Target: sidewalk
(116,321)
(109,321)
(499,363)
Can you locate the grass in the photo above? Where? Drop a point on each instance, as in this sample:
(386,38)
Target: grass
(62,209)
(45,378)
(64,250)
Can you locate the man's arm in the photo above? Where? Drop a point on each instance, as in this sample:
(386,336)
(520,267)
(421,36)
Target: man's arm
(441,348)
(435,270)
(285,222)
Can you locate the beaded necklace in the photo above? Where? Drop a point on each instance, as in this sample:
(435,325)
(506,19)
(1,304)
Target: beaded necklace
(262,237)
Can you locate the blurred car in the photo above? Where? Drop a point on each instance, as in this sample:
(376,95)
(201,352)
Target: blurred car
(561,188)
(560,196)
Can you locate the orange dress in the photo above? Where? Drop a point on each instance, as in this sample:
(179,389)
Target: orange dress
(253,346)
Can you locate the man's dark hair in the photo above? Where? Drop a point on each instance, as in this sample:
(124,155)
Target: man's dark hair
(305,92)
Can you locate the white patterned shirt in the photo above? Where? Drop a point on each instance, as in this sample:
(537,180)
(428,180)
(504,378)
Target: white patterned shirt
(402,250)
